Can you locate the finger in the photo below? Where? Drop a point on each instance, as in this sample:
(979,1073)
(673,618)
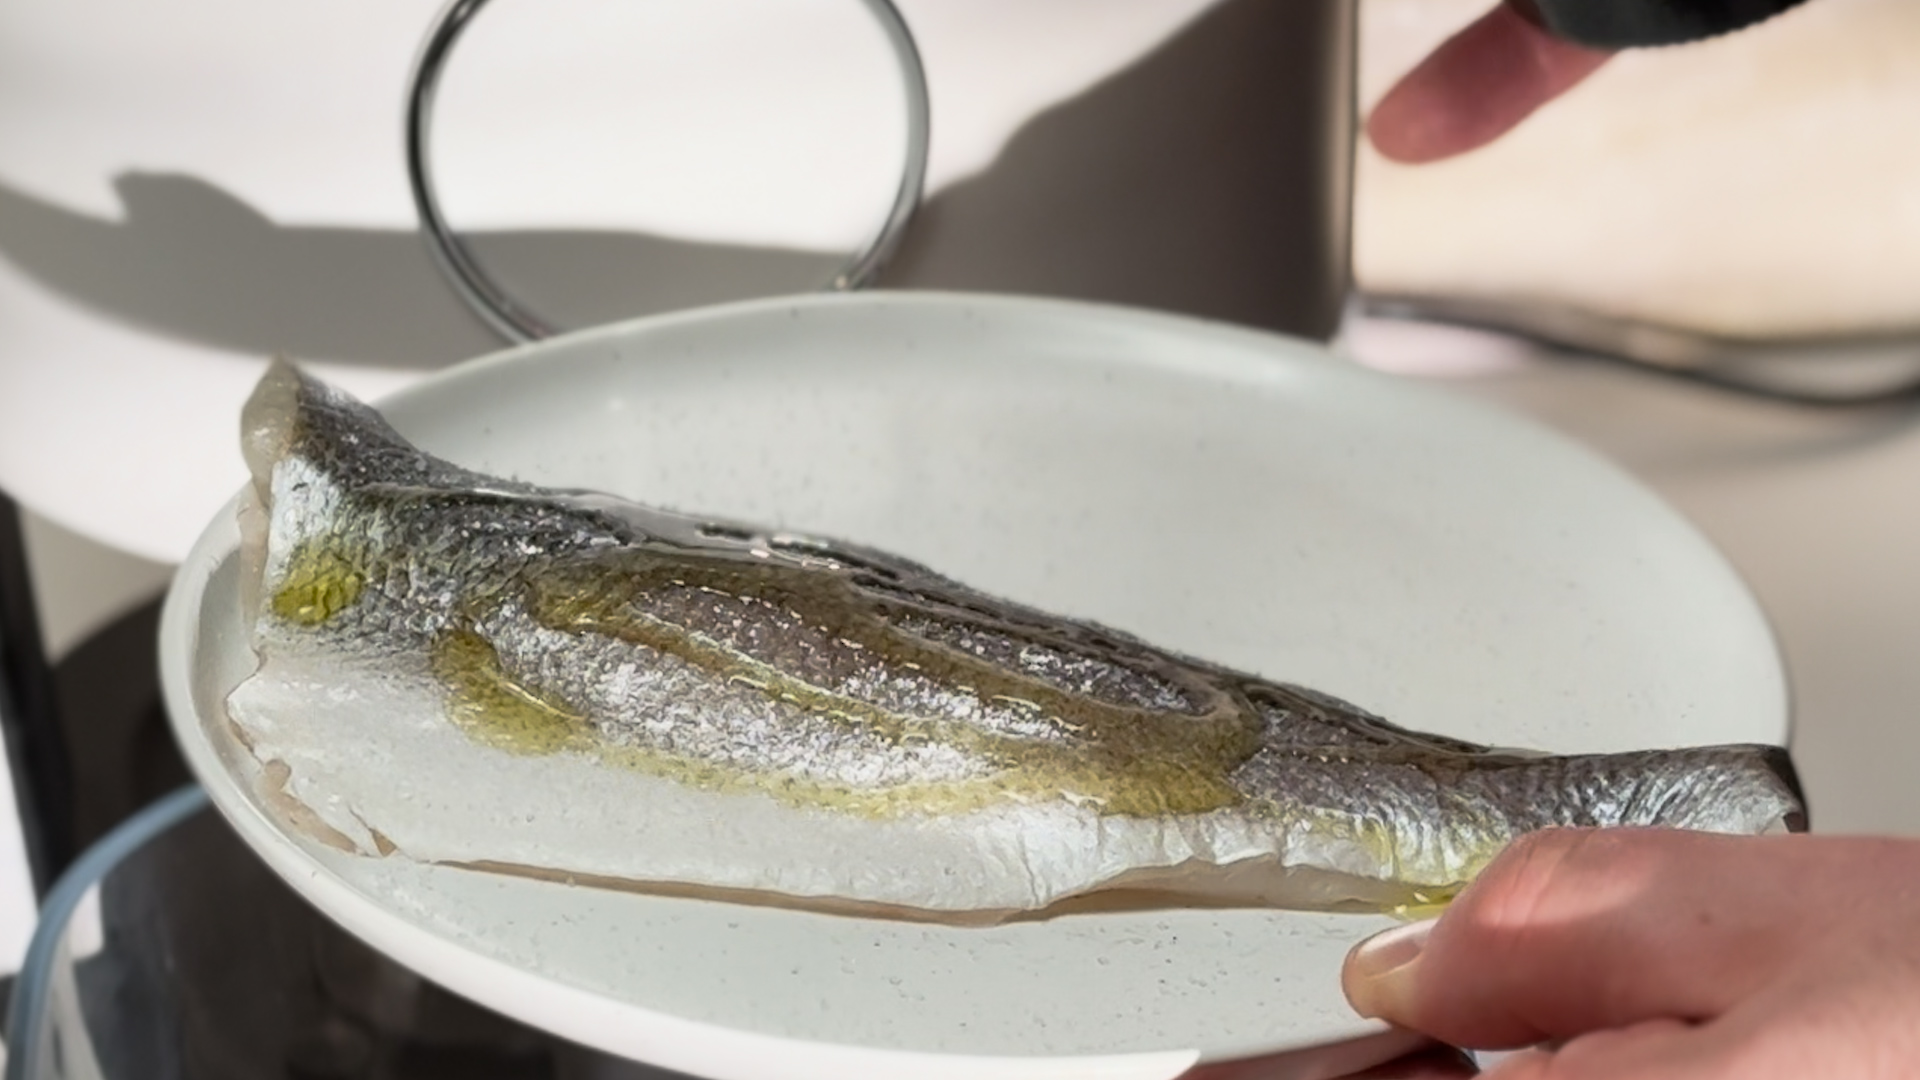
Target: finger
(1656,1050)
(1432,1062)
(1572,930)
(1476,86)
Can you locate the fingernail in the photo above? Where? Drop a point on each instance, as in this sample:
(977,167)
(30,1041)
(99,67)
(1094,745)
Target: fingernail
(1378,976)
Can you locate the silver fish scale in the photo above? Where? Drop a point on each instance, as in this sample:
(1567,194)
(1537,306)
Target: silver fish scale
(1296,716)
(781,638)
(353,444)
(454,554)
(1075,672)
(640,698)
(1439,811)
(1716,788)
(1306,724)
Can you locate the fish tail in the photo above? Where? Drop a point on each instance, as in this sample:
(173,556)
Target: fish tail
(1779,762)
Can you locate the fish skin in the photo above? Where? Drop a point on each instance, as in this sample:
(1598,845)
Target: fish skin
(782,716)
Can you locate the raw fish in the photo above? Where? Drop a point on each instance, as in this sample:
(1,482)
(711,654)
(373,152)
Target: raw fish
(462,669)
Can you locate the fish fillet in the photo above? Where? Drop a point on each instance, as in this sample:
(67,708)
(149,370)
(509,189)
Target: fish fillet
(462,669)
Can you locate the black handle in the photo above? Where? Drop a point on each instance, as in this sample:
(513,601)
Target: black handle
(1619,24)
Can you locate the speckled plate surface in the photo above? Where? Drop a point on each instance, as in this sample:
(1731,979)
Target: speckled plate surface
(1231,494)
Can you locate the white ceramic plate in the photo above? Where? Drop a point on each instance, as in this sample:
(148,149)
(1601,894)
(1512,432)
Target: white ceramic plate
(1231,494)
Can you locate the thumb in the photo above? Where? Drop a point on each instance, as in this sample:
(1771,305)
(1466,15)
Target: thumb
(1576,930)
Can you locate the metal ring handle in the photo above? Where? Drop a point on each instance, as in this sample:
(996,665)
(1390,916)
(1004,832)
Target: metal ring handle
(511,319)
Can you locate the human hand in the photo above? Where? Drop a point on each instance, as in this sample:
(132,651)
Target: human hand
(1477,85)
(1650,953)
